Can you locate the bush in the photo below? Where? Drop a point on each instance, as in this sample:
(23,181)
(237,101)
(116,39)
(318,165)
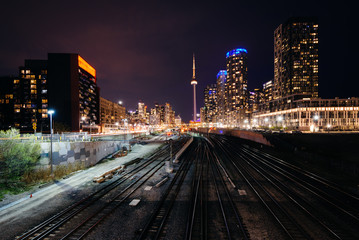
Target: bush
(16,157)
(43,174)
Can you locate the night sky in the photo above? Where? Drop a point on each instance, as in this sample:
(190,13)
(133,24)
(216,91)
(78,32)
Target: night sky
(142,50)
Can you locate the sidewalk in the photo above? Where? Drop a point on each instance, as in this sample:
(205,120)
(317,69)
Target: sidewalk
(51,199)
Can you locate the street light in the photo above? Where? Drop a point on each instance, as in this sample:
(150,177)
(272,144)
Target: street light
(83,118)
(316,123)
(51,132)
(120,103)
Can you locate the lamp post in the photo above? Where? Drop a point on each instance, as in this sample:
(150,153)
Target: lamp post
(316,123)
(83,118)
(279,119)
(51,132)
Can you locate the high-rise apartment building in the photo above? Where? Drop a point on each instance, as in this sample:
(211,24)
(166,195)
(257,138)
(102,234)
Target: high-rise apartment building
(210,103)
(31,97)
(255,99)
(72,90)
(7,102)
(142,110)
(221,90)
(268,91)
(64,82)
(111,113)
(169,115)
(296,58)
(236,86)
(162,114)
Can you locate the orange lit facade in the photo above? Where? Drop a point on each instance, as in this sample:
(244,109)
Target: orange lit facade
(87,67)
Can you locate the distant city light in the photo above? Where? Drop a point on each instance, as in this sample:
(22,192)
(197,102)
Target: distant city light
(236,51)
(312,128)
(222,73)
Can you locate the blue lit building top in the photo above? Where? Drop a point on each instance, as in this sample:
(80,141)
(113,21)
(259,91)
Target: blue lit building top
(236,51)
(221,73)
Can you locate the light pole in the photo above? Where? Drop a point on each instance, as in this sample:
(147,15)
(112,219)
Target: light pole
(51,132)
(316,123)
(279,119)
(83,118)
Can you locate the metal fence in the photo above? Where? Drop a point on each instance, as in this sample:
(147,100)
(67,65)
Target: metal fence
(62,137)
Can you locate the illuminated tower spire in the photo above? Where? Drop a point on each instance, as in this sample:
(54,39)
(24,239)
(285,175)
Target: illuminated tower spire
(194,83)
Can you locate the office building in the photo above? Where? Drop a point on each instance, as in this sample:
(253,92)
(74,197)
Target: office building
(210,103)
(169,115)
(310,114)
(296,58)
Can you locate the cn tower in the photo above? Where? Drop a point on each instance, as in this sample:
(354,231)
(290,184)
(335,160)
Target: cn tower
(194,83)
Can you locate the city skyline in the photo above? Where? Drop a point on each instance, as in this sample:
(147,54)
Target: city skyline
(143,51)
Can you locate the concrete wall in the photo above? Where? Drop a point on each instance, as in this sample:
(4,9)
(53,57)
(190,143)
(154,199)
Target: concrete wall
(248,135)
(89,153)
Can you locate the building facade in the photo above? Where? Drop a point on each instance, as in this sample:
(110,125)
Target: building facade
(268,91)
(296,58)
(309,114)
(221,98)
(210,103)
(31,97)
(236,87)
(112,115)
(7,102)
(73,91)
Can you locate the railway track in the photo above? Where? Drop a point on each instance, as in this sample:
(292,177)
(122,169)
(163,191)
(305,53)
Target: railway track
(80,218)
(211,212)
(310,199)
(201,200)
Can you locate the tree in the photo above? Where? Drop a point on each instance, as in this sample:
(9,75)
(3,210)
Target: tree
(16,156)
